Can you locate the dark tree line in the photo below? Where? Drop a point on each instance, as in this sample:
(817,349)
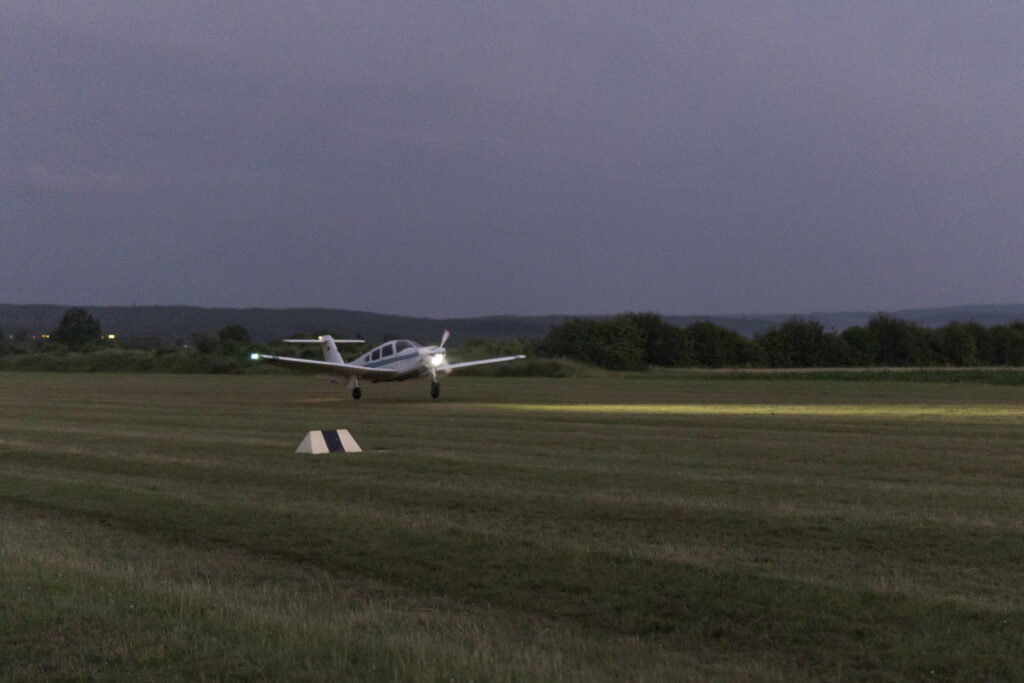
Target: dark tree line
(90,351)
(632,341)
(79,331)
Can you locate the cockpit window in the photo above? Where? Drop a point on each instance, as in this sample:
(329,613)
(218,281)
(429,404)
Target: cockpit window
(402,345)
(387,350)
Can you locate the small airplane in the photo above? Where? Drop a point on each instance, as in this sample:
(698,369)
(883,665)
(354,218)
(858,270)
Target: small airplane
(391,361)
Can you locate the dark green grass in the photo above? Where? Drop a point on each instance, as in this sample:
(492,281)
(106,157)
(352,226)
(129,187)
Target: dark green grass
(161,527)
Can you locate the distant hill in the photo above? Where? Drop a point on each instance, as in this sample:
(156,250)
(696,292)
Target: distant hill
(987,315)
(178,323)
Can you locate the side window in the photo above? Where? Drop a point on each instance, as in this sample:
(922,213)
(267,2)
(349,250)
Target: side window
(375,355)
(387,350)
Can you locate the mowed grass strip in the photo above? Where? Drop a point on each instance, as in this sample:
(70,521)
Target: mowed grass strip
(739,545)
(83,601)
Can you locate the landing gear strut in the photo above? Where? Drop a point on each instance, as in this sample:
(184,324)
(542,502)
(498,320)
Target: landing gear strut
(435,389)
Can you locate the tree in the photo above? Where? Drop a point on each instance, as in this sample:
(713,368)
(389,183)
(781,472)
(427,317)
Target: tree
(203,342)
(898,342)
(615,344)
(620,345)
(707,345)
(1007,344)
(796,344)
(958,343)
(234,333)
(859,344)
(663,343)
(233,340)
(804,344)
(77,329)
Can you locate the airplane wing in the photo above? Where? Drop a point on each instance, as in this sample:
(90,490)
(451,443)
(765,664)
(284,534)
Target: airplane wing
(343,369)
(485,361)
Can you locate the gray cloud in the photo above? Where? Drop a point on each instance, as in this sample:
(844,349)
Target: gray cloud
(462,158)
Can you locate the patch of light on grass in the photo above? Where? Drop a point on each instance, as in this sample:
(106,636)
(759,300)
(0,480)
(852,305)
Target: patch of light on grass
(906,410)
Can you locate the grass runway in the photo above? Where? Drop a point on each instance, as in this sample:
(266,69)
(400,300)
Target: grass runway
(633,527)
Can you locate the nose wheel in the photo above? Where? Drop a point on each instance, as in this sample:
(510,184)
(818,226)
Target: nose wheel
(435,389)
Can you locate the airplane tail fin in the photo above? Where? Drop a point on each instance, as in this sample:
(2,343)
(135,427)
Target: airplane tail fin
(328,344)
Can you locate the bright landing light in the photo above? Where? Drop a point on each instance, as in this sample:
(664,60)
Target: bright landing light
(895,411)
(437,359)
(254,356)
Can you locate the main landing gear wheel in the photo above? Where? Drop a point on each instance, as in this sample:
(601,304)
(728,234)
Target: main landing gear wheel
(435,389)
(357,393)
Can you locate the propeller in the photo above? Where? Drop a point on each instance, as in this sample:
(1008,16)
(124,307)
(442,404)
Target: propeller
(436,357)
(444,362)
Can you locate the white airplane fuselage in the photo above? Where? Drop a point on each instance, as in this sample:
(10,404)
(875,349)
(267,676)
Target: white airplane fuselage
(406,358)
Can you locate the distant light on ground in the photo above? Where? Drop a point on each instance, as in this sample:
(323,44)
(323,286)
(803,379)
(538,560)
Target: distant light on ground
(895,411)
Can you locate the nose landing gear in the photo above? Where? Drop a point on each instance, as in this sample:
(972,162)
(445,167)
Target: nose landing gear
(435,389)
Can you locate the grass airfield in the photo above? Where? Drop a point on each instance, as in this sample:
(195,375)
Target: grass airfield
(628,527)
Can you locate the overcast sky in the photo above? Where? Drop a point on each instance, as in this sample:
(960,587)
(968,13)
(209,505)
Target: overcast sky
(461,158)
